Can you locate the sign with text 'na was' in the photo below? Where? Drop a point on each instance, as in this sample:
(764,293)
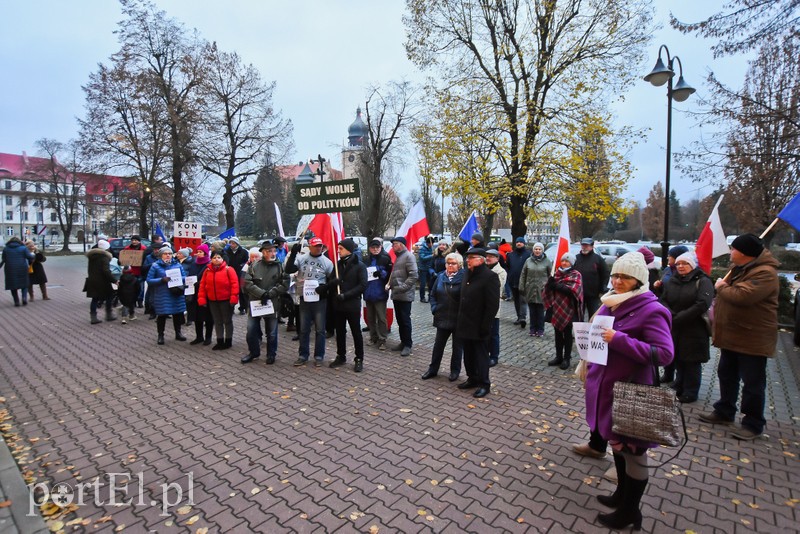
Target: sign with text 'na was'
(328,197)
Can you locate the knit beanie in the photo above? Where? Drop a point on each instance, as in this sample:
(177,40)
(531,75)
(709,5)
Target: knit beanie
(105,245)
(186,252)
(749,245)
(538,245)
(477,236)
(569,256)
(205,259)
(648,255)
(632,264)
(677,250)
(348,244)
(689,258)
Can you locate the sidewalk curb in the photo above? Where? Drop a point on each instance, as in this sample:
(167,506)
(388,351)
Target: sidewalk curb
(16,491)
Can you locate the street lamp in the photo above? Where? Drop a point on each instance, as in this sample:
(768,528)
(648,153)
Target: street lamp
(660,75)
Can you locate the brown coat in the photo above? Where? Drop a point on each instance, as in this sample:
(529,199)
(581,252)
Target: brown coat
(746,310)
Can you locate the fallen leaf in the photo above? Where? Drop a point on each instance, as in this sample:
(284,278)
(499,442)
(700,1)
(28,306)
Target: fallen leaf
(104,519)
(405,410)
(409,481)
(434,482)
(254,491)
(95,391)
(753,505)
(725,458)
(429,518)
(55,526)
(120,528)
(192,520)
(381,487)
(520,520)
(422,512)
(470,406)
(373,529)
(560,402)
(183,510)
(201,530)
(744,460)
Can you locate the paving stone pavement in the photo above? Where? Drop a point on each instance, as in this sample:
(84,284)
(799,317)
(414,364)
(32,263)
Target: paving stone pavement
(260,448)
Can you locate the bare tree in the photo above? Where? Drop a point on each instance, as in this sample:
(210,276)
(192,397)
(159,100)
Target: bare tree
(743,25)
(65,190)
(653,214)
(243,130)
(388,111)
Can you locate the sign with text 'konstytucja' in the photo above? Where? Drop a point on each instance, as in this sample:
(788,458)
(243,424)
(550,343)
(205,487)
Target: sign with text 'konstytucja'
(328,197)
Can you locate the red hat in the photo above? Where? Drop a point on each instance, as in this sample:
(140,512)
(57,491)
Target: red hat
(314,241)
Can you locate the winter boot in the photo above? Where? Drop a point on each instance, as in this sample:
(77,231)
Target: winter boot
(179,336)
(615,500)
(44,291)
(228,343)
(207,340)
(557,360)
(628,512)
(220,344)
(161,338)
(95,320)
(110,316)
(338,362)
(359,365)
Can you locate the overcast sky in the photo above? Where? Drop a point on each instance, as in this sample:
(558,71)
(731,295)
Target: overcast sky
(323,54)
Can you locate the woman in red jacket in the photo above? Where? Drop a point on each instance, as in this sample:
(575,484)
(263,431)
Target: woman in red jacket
(219,290)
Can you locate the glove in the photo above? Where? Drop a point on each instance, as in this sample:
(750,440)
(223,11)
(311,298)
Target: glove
(340,297)
(321,289)
(264,299)
(551,283)
(334,282)
(296,248)
(165,279)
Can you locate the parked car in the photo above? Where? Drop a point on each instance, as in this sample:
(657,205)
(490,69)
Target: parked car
(609,251)
(119,243)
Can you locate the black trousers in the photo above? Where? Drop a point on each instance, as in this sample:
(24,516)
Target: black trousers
(476,361)
(564,342)
(737,368)
(351,318)
(161,322)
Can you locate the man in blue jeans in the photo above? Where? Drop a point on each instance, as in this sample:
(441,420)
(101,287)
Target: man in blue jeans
(402,283)
(264,282)
(746,332)
(313,272)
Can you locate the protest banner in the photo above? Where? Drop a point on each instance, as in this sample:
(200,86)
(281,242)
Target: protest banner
(328,197)
(131,257)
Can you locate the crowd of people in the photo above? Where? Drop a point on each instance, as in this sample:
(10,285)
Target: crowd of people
(661,318)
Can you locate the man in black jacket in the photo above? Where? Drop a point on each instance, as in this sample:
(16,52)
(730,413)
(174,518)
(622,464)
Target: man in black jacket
(516,261)
(480,300)
(594,275)
(351,284)
(236,256)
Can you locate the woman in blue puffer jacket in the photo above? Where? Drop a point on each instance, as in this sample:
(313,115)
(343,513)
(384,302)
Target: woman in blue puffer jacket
(445,299)
(16,258)
(166,301)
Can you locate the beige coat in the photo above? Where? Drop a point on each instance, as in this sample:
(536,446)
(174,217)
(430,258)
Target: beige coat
(746,310)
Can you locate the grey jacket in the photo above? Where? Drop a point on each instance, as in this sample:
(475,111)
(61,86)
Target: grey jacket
(266,277)
(403,280)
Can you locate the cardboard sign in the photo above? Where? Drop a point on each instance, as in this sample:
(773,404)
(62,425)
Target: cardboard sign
(257,309)
(598,349)
(309,291)
(175,278)
(328,197)
(581,333)
(193,230)
(131,257)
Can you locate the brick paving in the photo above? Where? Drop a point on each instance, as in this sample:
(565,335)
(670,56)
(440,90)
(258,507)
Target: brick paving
(285,449)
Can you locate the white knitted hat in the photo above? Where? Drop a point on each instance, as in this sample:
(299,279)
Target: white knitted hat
(632,264)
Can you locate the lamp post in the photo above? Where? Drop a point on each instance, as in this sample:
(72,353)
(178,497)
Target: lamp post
(150,195)
(660,75)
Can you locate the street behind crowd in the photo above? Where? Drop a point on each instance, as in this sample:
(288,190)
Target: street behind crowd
(286,449)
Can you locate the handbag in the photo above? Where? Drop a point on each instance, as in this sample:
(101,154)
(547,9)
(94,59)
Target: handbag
(649,413)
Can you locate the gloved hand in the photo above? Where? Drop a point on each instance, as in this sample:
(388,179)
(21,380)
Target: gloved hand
(296,248)
(264,299)
(340,297)
(376,274)
(321,289)
(551,283)
(165,279)
(334,282)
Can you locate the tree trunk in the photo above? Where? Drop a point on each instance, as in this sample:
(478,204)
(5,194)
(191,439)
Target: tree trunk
(177,188)
(227,202)
(518,224)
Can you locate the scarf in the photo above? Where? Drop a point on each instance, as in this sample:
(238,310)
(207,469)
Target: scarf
(612,300)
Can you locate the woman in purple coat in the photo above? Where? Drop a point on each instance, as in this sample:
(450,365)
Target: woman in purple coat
(641,328)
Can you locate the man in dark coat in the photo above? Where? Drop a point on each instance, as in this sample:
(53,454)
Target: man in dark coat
(516,261)
(15,260)
(351,284)
(480,300)
(594,275)
(136,270)
(379,267)
(236,256)
(98,281)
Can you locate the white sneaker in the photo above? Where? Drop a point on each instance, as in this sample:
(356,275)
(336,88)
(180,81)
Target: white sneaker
(124,321)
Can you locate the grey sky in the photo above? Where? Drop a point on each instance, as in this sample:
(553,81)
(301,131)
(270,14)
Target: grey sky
(323,55)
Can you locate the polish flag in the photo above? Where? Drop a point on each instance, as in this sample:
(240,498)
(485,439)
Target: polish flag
(329,228)
(563,239)
(711,242)
(414,227)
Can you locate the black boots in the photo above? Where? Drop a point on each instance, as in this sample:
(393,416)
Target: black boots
(207,341)
(628,512)
(228,343)
(338,362)
(615,499)
(110,316)
(220,344)
(556,361)
(564,365)
(95,320)
(359,365)
(179,336)
(161,338)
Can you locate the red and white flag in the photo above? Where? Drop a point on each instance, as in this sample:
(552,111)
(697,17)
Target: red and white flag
(415,225)
(329,228)
(563,239)
(711,242)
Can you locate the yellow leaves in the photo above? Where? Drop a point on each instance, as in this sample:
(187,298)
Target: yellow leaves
(120,528)
(373,529)
(405,410)
(183,510)
(255,491)
(55,526)
(192,520)
(409,482)
(560,402)
(95,391)
(789,454)
(725,458)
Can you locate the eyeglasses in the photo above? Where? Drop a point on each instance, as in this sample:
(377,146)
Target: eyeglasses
(621,276)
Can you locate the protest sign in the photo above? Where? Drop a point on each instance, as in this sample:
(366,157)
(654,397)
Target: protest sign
(131,257)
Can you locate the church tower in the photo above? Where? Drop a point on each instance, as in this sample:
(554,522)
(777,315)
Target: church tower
(357,135)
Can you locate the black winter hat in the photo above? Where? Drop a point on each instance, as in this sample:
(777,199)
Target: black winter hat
(477,236)
(749,245)
(348,244)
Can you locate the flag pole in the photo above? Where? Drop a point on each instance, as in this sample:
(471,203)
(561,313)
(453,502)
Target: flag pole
(765,232)
(334,254)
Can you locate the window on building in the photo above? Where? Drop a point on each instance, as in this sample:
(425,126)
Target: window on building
(8,184)
(23,186)
(9,231)
(9,201)
(24,215)
(38,187)
(52,188)
(9,215)
(53,217)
